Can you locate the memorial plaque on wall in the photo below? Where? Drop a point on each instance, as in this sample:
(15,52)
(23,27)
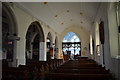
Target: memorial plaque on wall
(101,30)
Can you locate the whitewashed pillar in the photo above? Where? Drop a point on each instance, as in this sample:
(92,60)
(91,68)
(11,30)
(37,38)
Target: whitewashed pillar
(95,55)
(101,55)
(21,56)
(42,51)
(91,47)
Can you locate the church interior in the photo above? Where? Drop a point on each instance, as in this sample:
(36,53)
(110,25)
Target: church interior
(60,41)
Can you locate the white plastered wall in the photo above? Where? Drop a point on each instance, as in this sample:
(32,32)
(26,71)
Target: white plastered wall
(95,36)
(82,34)
(102,16)
(107,15)
(113,31)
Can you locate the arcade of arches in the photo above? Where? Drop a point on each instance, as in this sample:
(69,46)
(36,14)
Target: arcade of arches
(26,36)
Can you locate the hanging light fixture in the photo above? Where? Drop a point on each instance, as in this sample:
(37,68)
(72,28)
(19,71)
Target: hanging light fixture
(45,3)
(81,13)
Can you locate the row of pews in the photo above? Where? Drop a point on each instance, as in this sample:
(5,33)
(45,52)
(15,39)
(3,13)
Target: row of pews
(56,69)
(82,69)
(34,70)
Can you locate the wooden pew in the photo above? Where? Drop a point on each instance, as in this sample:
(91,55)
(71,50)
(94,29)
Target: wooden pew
(15,73)
(43,67)
(80,61)
(76,67)
(82,71)
(82,65)
(71,76)
(79,70)
(33,70)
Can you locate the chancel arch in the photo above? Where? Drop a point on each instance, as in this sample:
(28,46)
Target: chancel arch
(9,36)
(34,38)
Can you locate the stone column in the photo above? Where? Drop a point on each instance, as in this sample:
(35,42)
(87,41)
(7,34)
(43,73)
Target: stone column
(21,52)
(42,51)
(101,55)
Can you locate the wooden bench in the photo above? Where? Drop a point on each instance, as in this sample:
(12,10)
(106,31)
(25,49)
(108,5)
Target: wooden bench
(71,76)
(15,73)
(41,68)
(82,71)
(79,70)
(76,67)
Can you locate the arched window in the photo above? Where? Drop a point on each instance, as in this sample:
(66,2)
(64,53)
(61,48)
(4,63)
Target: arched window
(71,37)
(71,43)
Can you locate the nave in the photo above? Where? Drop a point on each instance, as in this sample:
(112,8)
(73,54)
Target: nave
(41,40)
(57,69)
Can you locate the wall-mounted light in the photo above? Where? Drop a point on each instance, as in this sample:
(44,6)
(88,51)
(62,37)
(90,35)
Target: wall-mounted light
(48,40)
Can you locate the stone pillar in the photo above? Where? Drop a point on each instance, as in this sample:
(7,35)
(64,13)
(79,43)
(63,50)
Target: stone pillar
(14,63)
(101,55)
(91,47)
(21,52)
(0,40)
(42,51)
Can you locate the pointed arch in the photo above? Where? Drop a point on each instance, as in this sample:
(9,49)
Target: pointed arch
(36,26)
(34,36)
(49,37)
(49,46)
(70,36)
(9,34)
(71,46)
(8,14)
